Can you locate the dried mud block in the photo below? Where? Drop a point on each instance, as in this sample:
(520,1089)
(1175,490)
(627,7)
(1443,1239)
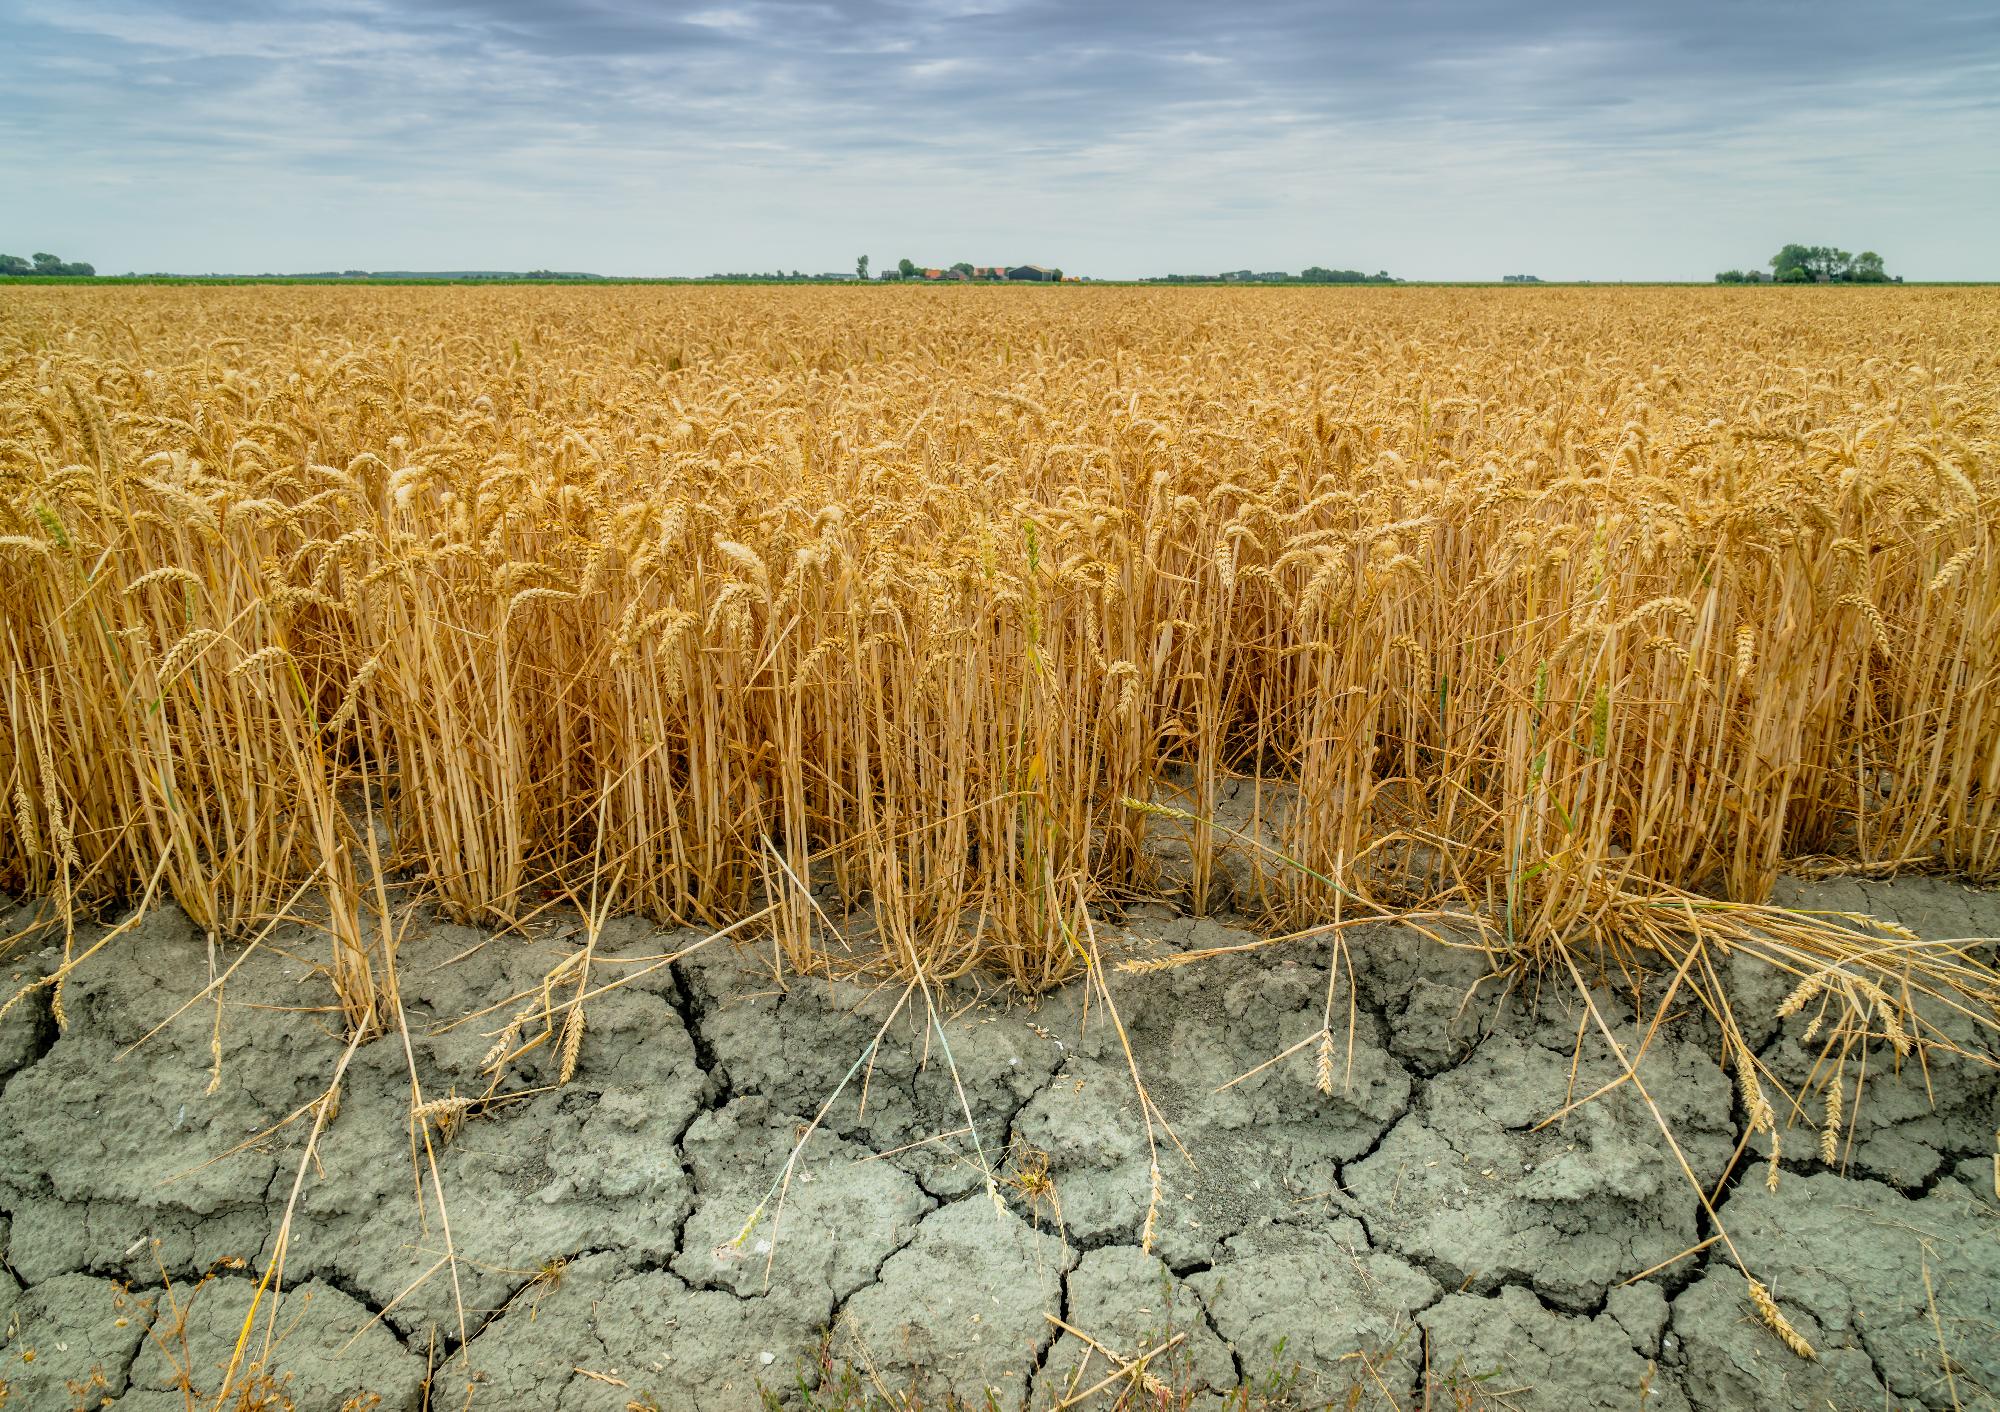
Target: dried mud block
(1470,1186)
(1513,1350)
(69,1341)
(796,1047)
(592,1165)
(1129,1303)
(962,1307)
(1319,1310)
(827,1233)
(312,1345)
(602,1339)
(161,1155)
(1260,1145)
(1847,1261)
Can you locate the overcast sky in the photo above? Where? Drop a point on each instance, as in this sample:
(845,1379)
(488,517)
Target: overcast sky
(1442,139)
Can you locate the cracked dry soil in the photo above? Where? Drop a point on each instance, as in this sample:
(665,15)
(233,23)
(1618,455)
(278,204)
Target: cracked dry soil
(1420,1216)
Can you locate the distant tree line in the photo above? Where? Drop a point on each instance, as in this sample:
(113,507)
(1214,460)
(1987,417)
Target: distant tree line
(43,263)
(1814,264)
(779,277)
(451,276)
(1311,274)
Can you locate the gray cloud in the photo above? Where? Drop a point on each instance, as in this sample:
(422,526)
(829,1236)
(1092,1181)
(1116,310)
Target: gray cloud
(1445,138)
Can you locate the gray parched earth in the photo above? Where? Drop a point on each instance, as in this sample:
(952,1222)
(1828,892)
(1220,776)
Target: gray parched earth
(1420,1236)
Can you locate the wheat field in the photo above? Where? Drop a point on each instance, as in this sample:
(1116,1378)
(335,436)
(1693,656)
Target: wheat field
(1572,612)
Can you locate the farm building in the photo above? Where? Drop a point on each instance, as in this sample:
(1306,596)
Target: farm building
(1030,272)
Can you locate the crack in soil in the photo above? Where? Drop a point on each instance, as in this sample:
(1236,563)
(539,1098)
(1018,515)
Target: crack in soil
(1051,1333)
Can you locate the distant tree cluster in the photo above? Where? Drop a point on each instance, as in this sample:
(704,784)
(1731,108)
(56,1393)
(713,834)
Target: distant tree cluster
(907,268)
(1814,264)
(1319,274)
(43,263)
